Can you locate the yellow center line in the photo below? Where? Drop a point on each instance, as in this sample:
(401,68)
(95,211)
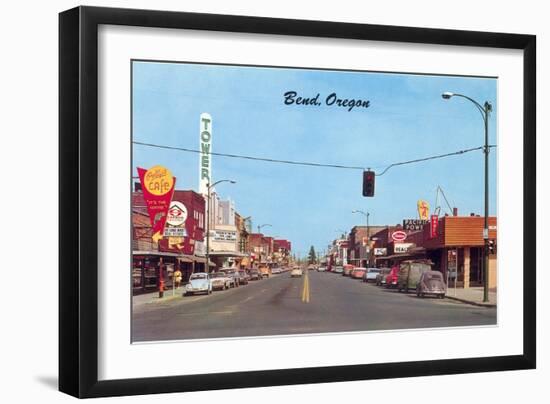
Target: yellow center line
(305,289)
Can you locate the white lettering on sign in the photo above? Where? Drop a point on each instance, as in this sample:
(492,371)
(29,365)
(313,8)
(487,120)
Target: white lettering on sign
(402,247)
(205,160)
(227,235)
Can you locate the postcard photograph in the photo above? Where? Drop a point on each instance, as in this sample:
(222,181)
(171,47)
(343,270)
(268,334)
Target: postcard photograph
(284,201)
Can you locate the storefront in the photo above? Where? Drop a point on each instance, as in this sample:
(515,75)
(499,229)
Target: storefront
(146,264)
(457,250)
(146,270)
(225,259)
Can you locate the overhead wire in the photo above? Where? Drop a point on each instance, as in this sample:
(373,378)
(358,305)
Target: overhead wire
(308,163)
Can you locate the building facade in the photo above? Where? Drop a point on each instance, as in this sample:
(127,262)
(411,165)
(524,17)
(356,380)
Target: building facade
(153,262)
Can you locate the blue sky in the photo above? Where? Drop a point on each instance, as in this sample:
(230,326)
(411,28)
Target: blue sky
(407,119)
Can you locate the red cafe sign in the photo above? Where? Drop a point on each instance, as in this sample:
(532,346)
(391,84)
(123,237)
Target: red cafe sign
(158,187)
(399,235)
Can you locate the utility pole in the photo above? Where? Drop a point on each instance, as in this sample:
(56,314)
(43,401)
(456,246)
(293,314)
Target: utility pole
(484,110)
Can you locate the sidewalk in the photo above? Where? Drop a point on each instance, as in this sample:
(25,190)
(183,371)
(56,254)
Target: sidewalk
(472,296)
(153,297)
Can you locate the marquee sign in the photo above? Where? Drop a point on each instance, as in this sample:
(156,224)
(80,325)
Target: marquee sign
(224,235)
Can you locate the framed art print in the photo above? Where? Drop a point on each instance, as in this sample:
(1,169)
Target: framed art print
(269,201)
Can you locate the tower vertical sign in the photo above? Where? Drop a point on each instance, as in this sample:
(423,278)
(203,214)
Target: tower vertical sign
(205,159)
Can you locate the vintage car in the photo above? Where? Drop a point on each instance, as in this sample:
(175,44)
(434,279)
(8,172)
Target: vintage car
(233,273)
(391,277)
(265,271)
(296,272)
(322,268)
(347,270)
(381,276)
(410,272)
(371,274)
(338,269)
(243,277)
(199,282)
(221,281)
(357,273)
(255,275)
(431,283)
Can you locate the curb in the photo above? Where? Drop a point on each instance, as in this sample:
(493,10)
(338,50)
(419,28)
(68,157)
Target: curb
(157,300)
(488,305)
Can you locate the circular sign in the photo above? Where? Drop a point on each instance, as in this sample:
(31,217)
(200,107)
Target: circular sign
(158,180)
(399,235)
(177,214)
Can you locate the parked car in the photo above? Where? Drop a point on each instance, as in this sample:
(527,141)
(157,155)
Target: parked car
(322,268)
(410,272)
(221,281)
(357,273)
(265,271)
(371,274)
(431,283)
(233,273)
(381,276)
(276,270)
(338,269)
(391,278)
(255,275)
(243,277)
(199,282)
(347,270)
(296,272)
(230,273)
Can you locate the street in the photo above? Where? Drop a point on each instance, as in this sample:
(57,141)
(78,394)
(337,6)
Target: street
(315,303)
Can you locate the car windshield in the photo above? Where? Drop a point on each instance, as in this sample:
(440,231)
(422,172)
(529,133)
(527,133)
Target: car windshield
(217,275)
(197,276)
(374,270)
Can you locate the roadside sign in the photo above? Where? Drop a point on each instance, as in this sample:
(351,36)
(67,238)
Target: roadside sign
(177,214)
(399,235)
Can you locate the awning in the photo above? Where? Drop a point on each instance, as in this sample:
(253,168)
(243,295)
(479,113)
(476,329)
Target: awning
(157,253)
(407,255)
(202,260)
(185,258)
(227,254)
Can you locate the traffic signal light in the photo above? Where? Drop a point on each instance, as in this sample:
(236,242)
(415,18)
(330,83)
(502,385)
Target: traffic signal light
(368,183)
(492,247)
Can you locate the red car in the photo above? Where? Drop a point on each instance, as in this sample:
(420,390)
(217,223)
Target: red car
(391,278)
(357,273)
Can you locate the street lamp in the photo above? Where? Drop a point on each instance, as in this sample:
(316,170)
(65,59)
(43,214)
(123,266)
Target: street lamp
(368,232)
(263,225)
(209,187)
(484,111)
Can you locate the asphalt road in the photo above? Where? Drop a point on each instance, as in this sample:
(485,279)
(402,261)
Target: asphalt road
(316,303)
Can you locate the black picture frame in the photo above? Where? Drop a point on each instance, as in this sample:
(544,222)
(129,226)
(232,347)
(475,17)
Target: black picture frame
(78,200)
